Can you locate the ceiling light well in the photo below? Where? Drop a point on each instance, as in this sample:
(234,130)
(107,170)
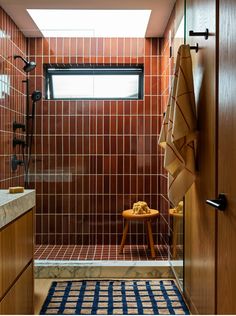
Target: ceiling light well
(91,23)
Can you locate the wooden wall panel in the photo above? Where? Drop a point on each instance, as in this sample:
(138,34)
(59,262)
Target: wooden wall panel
(199,284)
(226,259)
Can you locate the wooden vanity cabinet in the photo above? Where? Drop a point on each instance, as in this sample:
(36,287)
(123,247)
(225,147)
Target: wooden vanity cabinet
(16,266)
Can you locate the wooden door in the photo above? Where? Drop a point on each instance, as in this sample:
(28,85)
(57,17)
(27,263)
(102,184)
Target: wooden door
(226,231)
(199,271)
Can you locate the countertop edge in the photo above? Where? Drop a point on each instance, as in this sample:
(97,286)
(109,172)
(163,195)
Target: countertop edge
(11,210)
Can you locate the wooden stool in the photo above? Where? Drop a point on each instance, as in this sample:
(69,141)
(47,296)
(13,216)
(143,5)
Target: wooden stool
(129,216)
(176,224)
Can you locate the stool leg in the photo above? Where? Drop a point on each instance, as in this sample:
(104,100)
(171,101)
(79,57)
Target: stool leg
(124,236)
(147,238)
(175,236)
(149,226)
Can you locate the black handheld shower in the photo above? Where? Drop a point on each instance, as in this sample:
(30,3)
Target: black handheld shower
(36,96)
(29,65)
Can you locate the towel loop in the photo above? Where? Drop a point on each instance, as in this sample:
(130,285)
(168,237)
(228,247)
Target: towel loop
(196,47)
(205,34)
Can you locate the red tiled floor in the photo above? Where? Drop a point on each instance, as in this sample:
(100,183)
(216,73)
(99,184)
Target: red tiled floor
(98,252)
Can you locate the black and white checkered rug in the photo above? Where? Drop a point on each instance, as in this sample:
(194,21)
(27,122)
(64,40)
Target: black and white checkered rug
(142,297)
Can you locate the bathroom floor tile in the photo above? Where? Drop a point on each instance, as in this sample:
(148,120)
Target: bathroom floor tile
(98,252)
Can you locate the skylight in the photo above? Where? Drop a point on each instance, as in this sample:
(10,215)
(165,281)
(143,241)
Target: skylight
(91,23)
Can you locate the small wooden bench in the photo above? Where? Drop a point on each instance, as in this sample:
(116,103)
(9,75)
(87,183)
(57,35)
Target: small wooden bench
(148,218)
(177,219)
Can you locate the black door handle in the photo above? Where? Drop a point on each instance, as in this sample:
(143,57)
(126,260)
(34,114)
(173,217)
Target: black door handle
(220,203)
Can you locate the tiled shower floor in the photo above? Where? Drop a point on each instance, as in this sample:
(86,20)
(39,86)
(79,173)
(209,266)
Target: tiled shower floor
(98,252)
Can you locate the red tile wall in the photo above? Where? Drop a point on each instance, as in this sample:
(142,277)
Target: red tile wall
(93,159)
(12,101)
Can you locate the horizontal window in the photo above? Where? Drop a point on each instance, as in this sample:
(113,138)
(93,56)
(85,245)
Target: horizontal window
(94,83)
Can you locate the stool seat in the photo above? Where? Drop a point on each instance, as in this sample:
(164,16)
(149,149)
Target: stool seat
(172,212)
(128,214)
(147,218)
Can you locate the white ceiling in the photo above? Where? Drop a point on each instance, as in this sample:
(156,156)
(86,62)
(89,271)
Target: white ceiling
(16,9)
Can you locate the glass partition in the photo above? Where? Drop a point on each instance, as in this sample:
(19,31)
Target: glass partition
(177,218)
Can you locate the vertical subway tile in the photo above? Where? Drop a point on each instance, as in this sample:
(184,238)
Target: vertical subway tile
(12,99)
(95,158)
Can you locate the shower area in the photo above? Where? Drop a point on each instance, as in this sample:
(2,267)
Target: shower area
(92,159)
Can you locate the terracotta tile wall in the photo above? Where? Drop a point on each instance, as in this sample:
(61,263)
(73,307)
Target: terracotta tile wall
(93,159)
(83,178)
(12,97)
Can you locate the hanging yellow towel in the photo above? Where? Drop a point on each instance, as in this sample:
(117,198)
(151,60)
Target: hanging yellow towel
(179,129)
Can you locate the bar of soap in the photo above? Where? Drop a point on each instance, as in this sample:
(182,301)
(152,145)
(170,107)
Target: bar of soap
(13,190)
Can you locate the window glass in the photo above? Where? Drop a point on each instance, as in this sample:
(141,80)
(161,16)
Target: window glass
(102,83)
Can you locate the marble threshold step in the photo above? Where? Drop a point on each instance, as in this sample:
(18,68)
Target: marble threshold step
(99,269)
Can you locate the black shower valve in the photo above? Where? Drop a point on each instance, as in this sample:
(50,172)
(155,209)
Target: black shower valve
(18,125)
(17,141)
(16,162)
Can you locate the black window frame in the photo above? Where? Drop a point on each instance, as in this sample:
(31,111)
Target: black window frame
(51,70)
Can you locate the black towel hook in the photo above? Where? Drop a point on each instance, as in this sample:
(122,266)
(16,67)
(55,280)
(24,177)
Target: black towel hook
(205,34)
(196,47)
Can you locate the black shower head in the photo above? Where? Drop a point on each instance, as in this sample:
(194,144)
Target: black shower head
(36,96)
(29,65)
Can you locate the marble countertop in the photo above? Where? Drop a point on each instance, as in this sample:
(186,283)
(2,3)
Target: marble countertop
(14,205)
